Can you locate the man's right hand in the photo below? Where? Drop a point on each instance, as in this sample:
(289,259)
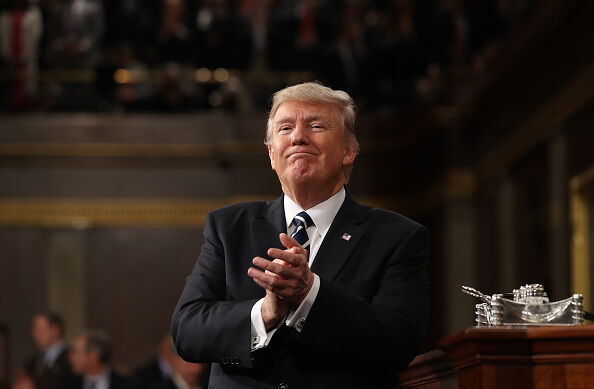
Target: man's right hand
(274,309)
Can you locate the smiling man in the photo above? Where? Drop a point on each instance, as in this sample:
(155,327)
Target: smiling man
(312,290)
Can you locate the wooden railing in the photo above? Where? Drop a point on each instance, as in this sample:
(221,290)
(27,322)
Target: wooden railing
(507,358)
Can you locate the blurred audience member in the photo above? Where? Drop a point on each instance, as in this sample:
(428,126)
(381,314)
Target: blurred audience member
(185,375)
(75,28)
(128,90)
(90,355)
(49,369)
(386,53)
(223,36)
(20,32)
(173,92)
(74,33)
(133,23)
(157,369)
(343,57)
(258,12)
(173,38)
(394,55)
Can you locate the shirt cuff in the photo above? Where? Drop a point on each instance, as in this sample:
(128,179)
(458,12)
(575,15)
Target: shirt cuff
(297,318)
(260,338)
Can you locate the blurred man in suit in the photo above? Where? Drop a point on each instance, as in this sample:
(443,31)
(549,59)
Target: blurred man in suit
(340,302)
(157,369)
(49,368)
(183,375)
(90,355)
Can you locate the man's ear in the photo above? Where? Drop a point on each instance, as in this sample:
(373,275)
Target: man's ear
(350,152)
(271,155)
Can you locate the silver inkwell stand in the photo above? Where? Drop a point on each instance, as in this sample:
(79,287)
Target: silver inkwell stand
(527,306)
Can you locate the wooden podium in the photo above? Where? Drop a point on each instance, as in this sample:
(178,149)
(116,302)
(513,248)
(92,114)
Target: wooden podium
(507,358)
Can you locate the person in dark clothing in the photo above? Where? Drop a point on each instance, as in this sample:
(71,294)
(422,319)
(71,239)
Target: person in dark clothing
(90,355)
(183,375)
(157,369)
(49,368)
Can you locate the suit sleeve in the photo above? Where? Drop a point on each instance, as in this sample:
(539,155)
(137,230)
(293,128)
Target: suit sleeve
(205,327)
(388,327)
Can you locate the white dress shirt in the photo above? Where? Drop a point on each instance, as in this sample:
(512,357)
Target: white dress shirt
(52,353)
(100,381)
(323,215)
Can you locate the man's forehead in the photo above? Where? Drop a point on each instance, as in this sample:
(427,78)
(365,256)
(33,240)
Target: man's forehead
(41,319)
(290,110)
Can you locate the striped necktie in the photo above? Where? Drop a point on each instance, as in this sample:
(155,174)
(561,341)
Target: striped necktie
(302,221)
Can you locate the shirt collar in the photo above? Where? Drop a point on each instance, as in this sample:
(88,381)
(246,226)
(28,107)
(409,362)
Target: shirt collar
(322,214)
(101,380)
(179,382)
(52,353)
(164,366)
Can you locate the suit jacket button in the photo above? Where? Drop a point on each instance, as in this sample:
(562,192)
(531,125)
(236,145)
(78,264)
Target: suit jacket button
(282,385)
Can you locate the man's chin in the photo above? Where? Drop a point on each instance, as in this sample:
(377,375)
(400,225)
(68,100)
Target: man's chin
(302,174)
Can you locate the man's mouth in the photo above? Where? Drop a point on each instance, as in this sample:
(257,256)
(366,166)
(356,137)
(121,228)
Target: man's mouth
(300,153)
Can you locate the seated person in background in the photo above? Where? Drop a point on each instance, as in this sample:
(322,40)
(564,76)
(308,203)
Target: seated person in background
(20,33)
(74,32)
(90,354)
(185,375)
(157,369)
(49,368)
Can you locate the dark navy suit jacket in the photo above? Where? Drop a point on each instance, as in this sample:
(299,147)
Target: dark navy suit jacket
(368,319)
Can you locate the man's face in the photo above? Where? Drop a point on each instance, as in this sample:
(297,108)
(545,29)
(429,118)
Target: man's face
(307,144)
(78,355)
(44,334)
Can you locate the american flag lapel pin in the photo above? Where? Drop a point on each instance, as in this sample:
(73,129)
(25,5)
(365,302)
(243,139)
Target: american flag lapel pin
(346,237)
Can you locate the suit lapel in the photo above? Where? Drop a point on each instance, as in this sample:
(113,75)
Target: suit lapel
(335,249)
(269,225)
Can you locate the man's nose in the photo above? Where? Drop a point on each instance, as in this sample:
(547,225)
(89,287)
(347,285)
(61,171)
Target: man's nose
(299,135)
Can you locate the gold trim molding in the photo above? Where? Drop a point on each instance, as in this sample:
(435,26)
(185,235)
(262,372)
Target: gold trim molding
(86,213)
(112,149)
(82,213)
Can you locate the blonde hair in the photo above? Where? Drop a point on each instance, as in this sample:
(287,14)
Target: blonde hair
(315,92)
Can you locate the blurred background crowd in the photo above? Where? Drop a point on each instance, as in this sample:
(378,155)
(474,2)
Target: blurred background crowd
(188,55)
(85,362)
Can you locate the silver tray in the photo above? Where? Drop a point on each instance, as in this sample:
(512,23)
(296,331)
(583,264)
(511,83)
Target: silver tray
(527,306)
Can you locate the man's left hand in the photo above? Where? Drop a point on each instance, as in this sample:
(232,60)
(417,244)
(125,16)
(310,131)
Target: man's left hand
(291,280)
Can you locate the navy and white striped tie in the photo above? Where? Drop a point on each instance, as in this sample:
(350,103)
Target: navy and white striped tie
(302,221)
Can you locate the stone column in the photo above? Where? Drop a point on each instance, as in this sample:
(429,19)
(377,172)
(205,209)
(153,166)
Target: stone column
(66,278)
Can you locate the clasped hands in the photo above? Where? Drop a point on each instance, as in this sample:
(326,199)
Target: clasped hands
(287,280)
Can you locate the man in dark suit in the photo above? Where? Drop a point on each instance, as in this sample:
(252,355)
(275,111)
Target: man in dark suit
(157,369)
(49,368)
(90,355)
(342,302)
(169,371)
(184,375)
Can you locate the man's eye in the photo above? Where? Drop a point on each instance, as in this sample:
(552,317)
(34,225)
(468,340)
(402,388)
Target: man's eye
(284,129)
